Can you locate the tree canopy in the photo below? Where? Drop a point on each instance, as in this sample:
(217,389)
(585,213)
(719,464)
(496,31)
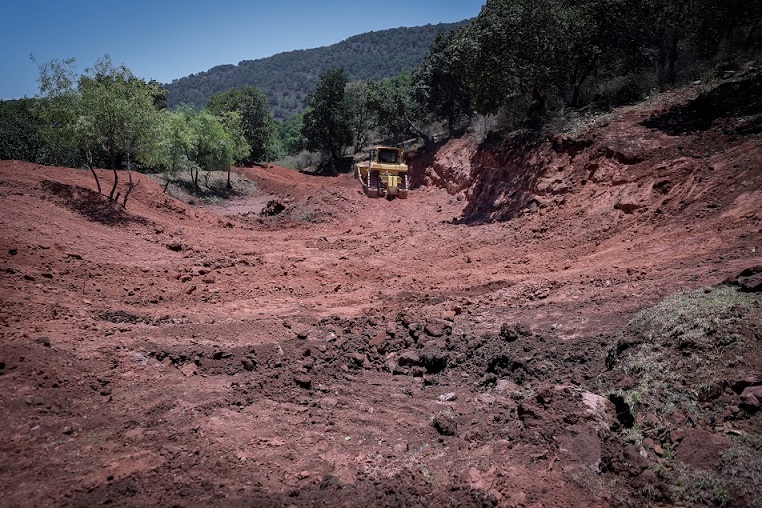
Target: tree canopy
(256,121)
(326,122)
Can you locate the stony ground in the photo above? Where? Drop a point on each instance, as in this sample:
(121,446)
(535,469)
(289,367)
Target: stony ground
(568,321)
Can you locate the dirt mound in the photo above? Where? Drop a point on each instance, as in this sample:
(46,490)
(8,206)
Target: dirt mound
(544,322)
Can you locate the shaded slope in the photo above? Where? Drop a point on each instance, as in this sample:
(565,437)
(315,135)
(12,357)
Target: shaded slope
(633,162)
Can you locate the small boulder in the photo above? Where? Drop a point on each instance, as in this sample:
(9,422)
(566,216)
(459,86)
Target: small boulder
(248,364)
(581,444)
(409,358)
(444,423)
(303,381)
(434,360)
(356,360)
(273,207)
(751,397)
(634,458)
(751,284)
(436,327)
(702,449)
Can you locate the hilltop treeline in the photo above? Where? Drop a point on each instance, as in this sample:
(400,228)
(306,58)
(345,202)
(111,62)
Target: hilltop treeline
(287,78)
(518,64)
(523,62)
(555,53)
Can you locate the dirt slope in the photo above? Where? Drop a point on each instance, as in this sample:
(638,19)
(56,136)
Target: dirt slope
(447,349)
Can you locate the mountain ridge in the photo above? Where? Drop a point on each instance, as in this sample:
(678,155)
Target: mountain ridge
(286,78)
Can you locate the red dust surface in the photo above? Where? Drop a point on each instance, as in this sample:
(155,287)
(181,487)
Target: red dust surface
(349,351)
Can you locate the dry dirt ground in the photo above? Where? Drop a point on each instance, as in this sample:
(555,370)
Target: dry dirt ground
(500,338)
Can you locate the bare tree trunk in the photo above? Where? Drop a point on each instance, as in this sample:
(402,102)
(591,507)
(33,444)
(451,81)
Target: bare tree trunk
(113,187)
(112,156)
(229,186)
(671,76)
(578,82)
(661,66)
(89,156)
(130,186)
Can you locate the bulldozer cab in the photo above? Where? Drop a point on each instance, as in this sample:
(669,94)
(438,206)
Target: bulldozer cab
(388,156)
(384,173)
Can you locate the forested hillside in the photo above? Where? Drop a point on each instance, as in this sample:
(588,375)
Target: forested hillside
(287,78)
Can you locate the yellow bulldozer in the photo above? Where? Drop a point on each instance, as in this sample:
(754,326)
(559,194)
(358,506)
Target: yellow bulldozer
(384,173)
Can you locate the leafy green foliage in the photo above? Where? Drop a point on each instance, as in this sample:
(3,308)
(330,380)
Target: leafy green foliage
(256,122)
(326,122)
(214,147)
(437,86)
(20,130)
(396,112)
(533,54)
(516,43)
(361,118)
(177,141)
(110,113)
(115,112)
(288,138)
(56,107)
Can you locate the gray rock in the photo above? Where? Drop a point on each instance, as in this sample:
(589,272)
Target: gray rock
(448,397)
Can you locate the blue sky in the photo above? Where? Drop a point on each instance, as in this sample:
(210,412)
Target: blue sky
(169,39)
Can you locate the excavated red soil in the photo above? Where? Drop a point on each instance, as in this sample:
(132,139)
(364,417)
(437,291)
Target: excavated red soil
(445,350)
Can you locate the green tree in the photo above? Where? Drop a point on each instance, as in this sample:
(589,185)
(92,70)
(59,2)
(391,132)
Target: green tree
(597,34)
(288,138)
(519,53)
(56,105)
(177,142)
(255,118)
(20,131)
(438,85)
(214,148)
(672,25)
(116,112)
(509,51)
(326,121)
(359,112)
(397,114)
(110,111)
(237,147)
